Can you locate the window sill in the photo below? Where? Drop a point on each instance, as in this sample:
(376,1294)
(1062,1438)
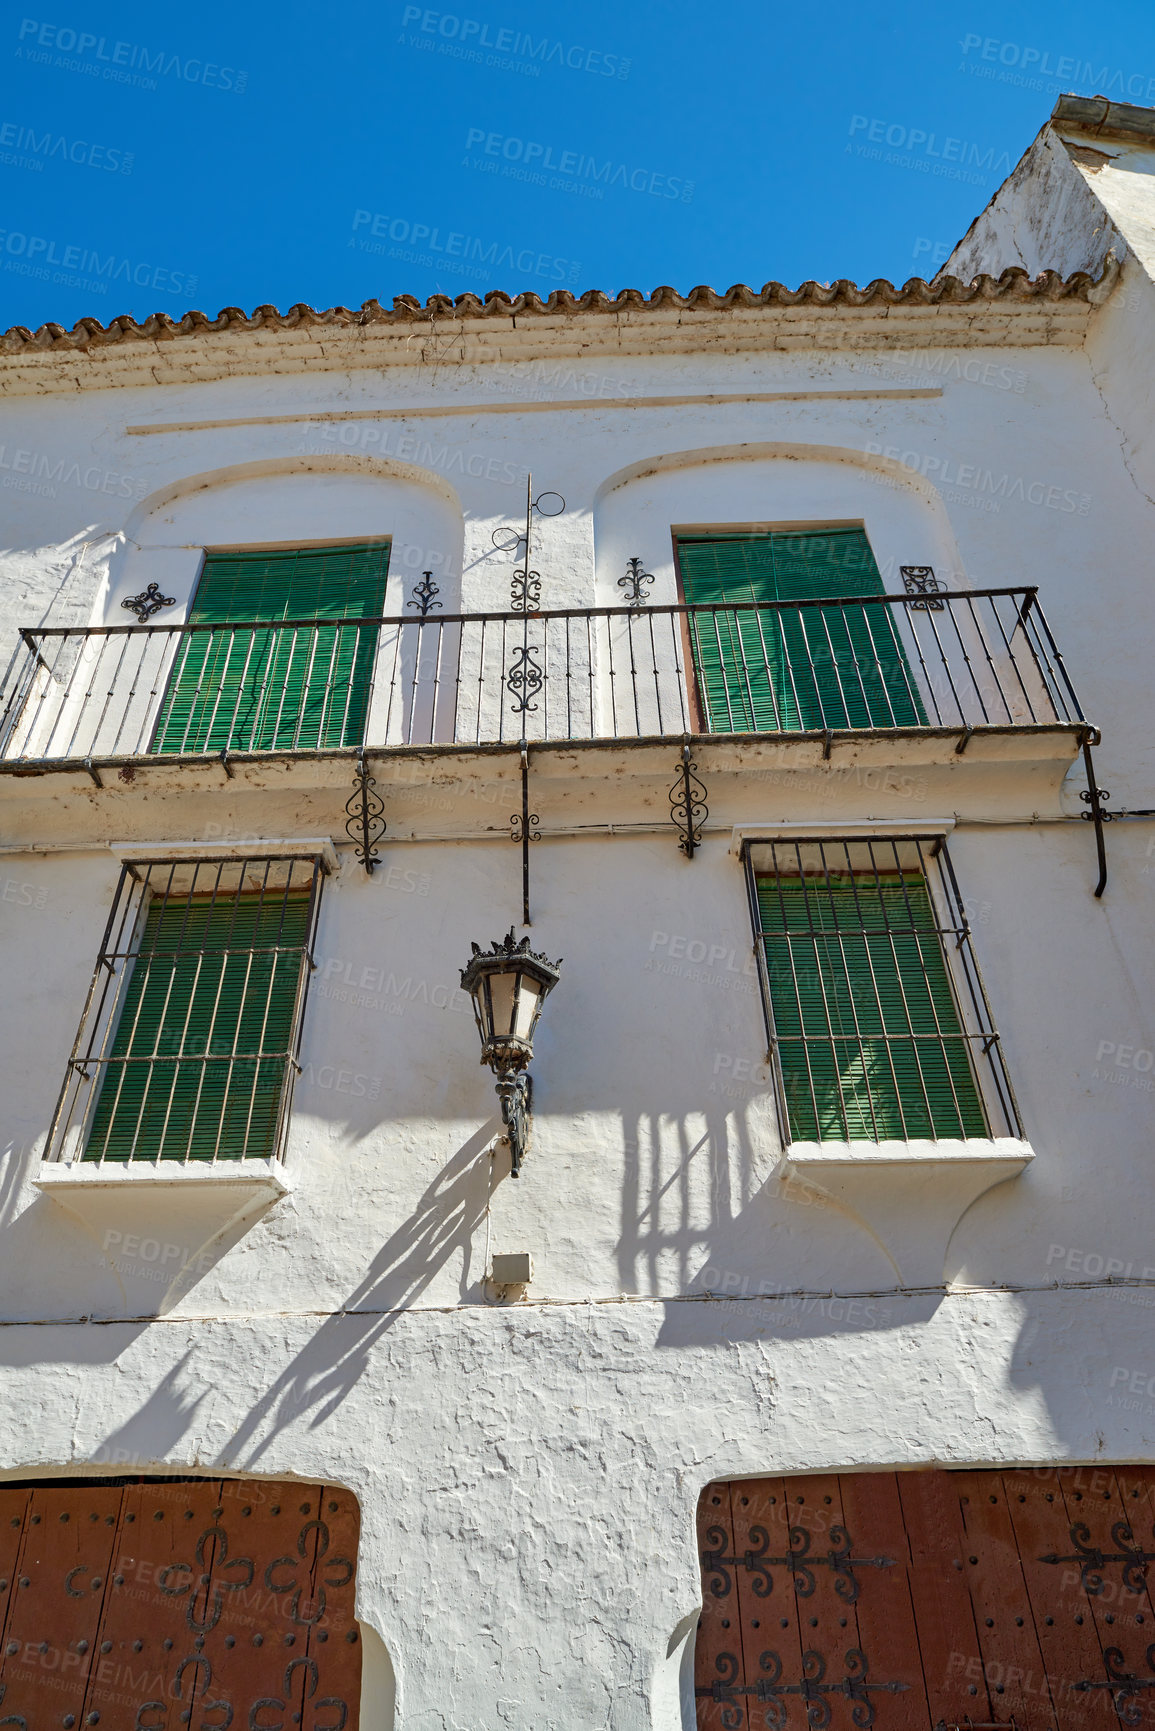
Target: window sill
(223,1174)
(161,1226)
(910,1196)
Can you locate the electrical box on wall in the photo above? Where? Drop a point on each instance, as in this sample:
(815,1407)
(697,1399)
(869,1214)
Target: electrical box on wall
(515,1268)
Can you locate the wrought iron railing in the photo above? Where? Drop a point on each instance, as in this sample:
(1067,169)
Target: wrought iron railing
(954,661)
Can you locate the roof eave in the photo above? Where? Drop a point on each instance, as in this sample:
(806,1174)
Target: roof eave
(1013,307)
(1100,117)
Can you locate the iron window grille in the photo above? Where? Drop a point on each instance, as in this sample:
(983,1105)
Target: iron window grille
(878,1023)
(187,1049)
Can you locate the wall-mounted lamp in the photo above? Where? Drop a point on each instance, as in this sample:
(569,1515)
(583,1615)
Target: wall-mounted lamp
(509,984)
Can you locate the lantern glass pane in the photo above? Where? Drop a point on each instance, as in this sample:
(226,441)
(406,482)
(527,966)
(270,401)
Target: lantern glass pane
(528,1000)
(503,996)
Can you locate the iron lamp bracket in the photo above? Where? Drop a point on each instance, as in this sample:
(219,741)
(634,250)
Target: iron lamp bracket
(515,1091)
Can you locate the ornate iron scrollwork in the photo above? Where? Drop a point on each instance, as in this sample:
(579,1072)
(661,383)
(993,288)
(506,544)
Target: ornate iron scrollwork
(202,1678)
(770,1691)
(524,591)
(688,808)
(798,1560)
(292,1693)
(635,583)
(1092,1559)
(366,821)
(522,827)
(423,594)
(515,1092)
(202,1613)
(1125,1687)
(921,580)
(525,587)
(524,679)
(307,1605)
(148,602)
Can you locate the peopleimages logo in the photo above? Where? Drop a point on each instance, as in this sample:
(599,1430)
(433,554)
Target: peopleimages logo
(124,63)
(51,144)
(456,245)
(575,163)
(919,143)
(33,472)
(32,255)
(1068,68)
(982,481)
(472,32)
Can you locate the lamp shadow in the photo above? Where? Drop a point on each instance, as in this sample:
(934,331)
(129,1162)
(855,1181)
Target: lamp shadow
(326,1371)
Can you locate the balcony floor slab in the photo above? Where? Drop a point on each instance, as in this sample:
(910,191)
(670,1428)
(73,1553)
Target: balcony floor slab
(465,791)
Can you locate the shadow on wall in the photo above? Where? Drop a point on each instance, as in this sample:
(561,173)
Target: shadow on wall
(378,1682)
(674,1702)
(57,584)
(1098,1383)
(326,1371)
(32,1235)
(14,1166)
(162,1422)
(709,1216)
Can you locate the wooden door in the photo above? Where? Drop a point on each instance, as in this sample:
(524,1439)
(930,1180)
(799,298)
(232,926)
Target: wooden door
(928,1601)
(155,1605)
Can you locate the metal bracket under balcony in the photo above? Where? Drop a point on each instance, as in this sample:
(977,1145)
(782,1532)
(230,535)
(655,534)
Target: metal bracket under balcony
(971,676)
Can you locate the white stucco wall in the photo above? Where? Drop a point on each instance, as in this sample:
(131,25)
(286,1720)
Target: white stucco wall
(1075,198)
(528,1473)
(1045,216)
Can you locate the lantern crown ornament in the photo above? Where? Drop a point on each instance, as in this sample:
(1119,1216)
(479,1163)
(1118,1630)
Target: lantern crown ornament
(509,983)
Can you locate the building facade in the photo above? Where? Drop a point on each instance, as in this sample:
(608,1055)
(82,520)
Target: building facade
(782,731)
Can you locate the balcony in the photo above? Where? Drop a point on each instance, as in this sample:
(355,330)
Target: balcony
(955,665)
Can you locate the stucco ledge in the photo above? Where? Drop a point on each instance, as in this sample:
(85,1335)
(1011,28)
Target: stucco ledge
(160,1228)
(910,1196)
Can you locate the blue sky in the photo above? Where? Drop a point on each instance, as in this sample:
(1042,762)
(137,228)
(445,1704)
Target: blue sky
(157,159)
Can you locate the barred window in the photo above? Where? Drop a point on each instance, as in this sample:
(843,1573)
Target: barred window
(187,1048)
(878,1021)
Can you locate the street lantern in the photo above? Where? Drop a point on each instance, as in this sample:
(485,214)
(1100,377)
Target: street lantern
(509,984)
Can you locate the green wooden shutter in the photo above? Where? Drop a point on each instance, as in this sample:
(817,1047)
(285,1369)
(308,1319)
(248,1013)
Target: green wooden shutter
(791,670)
(200,1057)
(739,658)
(294,689)
(850,668)
(849,962)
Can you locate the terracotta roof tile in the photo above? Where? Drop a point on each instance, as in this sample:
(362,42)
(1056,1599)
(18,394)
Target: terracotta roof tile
(1013,286)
